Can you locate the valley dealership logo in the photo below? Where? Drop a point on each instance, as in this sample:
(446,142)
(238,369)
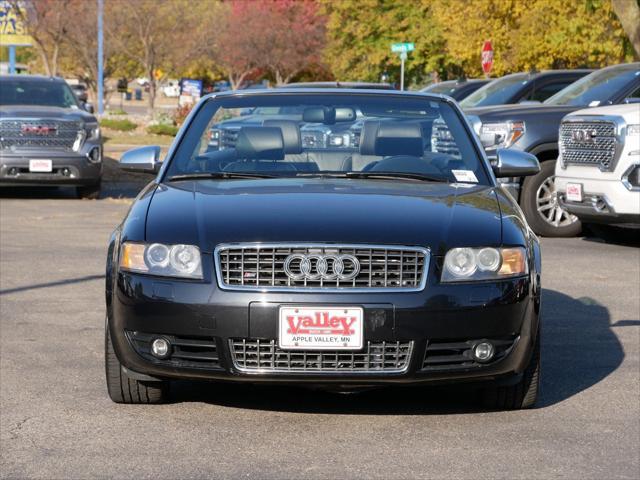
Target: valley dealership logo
(316,266)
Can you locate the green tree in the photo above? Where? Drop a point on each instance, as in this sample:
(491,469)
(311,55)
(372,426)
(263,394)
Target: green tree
(360,34)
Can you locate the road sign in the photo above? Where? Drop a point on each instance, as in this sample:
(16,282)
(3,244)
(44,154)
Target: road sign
(402,47)
(487,57)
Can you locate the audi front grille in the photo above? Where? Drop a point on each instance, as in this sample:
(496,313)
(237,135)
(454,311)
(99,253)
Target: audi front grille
(588,143)
(367,268)
(265,356)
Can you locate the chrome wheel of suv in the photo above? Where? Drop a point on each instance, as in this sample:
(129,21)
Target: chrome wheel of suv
(539,202)
(549,207)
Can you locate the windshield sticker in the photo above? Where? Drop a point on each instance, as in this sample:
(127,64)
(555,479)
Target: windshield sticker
(465,176)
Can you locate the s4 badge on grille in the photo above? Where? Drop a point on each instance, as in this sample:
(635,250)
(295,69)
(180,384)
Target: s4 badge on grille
(320,328)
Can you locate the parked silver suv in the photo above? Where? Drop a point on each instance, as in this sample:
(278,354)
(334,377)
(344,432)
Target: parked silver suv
(47,137)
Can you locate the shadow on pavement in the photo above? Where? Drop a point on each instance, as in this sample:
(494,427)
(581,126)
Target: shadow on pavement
(56,283)
(579,349)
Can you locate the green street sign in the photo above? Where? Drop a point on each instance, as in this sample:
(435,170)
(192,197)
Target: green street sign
(402,47)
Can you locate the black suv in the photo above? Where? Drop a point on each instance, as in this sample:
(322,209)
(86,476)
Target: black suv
(47,137)
(522,87)
(534,129)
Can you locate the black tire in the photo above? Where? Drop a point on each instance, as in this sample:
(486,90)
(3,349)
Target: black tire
(124,389)
(90,192)
(521,395)
(528,202)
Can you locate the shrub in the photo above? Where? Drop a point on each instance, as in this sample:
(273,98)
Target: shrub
(123,125)
(162,129)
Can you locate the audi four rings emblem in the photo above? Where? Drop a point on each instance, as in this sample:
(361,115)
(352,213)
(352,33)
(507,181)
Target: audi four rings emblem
(316,266)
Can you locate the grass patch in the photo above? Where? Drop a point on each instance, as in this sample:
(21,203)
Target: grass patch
(117,112)
(162,129)
(122,125)
(134,138)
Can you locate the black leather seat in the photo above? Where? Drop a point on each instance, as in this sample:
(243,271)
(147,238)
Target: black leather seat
(259,149)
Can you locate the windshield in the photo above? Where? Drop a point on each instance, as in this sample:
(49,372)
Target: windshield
(442,87)
(336,134)
(597,88)
(46,93)
(498,92)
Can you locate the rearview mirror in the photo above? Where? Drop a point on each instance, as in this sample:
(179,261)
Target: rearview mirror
(141,160)
(514,163)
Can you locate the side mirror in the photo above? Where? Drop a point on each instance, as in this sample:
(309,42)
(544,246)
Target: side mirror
(88,107)
(141,160)
(514,163)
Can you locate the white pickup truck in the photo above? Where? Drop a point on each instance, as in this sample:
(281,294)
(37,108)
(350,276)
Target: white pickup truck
(598,169)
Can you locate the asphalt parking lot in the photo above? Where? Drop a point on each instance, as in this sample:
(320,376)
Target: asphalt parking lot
(56,420)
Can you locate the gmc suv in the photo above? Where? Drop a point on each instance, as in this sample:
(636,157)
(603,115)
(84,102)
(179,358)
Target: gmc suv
(46,137)
(534,129)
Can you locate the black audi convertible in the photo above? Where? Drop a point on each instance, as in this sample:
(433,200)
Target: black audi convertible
(341,239)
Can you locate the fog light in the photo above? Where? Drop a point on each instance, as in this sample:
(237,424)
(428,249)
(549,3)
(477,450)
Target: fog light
(13,171)
(66,172)
(160,348)
(483,351)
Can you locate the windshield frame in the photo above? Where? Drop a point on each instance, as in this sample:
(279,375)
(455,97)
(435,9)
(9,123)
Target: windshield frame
(216,99)
(42,83)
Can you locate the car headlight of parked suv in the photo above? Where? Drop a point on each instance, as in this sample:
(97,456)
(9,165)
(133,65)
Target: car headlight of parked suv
(93,131)
(163,260)
(471,264)
(501,135)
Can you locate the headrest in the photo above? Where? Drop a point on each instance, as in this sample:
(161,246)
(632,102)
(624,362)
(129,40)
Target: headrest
(324,115)
(387,139)
(290,134)
(260,143)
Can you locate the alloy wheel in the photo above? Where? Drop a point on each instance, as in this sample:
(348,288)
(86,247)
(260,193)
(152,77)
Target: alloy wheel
(549,207)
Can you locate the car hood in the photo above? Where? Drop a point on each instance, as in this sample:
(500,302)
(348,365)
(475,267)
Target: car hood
(508,112)
(435,215)
(36,111)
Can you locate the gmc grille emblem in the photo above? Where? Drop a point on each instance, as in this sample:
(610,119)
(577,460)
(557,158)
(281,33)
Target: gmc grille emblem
(38,129)
(315,266)
(584,135)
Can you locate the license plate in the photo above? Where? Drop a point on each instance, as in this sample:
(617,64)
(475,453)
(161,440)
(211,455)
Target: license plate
(574,192)
(40,165)
(320,328)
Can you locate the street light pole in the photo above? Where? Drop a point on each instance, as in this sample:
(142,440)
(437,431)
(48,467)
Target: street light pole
(403,57)
(100,59)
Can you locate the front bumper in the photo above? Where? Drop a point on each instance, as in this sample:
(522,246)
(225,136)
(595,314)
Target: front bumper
(68,168)
(423,334)
(606,201)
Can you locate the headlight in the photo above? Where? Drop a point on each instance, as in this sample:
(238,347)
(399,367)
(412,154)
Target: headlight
(159,259)
(633,130)
(93,131)
(470,264)
(501,135)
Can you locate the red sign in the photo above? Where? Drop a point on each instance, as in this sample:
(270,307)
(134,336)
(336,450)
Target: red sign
(487,57)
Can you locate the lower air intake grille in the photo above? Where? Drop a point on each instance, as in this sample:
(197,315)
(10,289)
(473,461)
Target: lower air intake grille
(443,355)
(264,356)
(186,352)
